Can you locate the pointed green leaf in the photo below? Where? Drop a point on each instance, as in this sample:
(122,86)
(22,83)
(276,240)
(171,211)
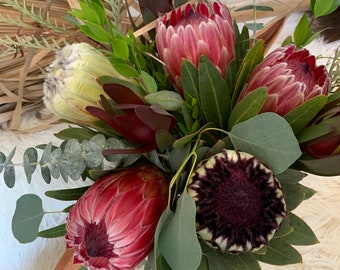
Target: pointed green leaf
(46,174)
(252,58)
(328,166)
(248,107)
(66,194)
(148,82)
(268,137)
(301,31)
(313,132)
(54,232)
(216,260)
(293,195)
(190,79)
(285,228)
(303,114)
(27,218)
(279,252)
(290,176)
(80,134)
(120,48)
(177,239)
(214,95)
(302,233)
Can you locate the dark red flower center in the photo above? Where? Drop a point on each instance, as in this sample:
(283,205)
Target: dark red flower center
(96,241)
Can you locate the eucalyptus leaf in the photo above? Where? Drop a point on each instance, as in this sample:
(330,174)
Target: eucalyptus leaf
(248,107)
(54,232)
(177,239)
(302,233)
(30,162)
(53,165)
(279,252)
(46,174)
(72,161)
(92,154)
(169,100)
(2,161)
(9,174)
(214,95)
(27,218)
(268,137)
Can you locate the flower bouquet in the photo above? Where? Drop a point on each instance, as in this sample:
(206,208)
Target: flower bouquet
(195,140)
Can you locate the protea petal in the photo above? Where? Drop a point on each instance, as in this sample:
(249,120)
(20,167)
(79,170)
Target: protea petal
(122,236)
(192,32)
(290,74)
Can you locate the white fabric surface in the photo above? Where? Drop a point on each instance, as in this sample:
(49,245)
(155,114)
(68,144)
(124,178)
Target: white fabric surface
(321,212)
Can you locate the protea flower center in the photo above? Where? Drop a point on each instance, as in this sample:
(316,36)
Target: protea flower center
(97,241)
(239,202)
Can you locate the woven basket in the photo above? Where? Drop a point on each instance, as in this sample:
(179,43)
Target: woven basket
(21,69)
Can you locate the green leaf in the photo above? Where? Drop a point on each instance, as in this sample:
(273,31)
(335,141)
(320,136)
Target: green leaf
(255,7)
(302,233)
(303,114)
(214,95)
(126,70)
(323,7)
(301,31)
(215,260)
(96,32)
(2,161)
(66,194)
(80,134)
(248,107)
(268,137)
(30,162)
(285,228)
(279,252)
(72,161)
(190,79)
(92,154)
(9,175)
(27,218)
(328,166)
(177,239)
(313,132)
(54,232)
(254,26)
(252,58)
(290,176)
(169,100)
(308,192)
(148,82)
(293,195)
(120,49)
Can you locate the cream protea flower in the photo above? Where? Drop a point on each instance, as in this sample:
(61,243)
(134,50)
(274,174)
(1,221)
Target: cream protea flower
(70,85)
(112,225)
(193,32)
(291,77)
(239,202)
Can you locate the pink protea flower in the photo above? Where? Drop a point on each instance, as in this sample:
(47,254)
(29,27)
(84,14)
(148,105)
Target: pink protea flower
(193,32)
(112,225)
(291,77)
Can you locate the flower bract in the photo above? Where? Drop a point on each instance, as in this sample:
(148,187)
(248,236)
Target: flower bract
(291,77)
(192,32)
(239,202)
(112,225)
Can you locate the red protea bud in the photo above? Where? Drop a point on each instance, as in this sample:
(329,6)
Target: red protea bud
(193,32)
(291,77)
(239,202)
(112,225)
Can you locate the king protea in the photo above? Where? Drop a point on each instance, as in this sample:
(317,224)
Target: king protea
(192,32)
(112,225)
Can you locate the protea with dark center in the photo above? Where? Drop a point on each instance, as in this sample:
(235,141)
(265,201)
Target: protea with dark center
(112,225)
(239,202)
(291,77)
(192,32)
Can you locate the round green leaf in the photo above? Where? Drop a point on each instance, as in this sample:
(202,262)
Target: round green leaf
(169,100)
(27,218)
(268,137)
(9,175)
